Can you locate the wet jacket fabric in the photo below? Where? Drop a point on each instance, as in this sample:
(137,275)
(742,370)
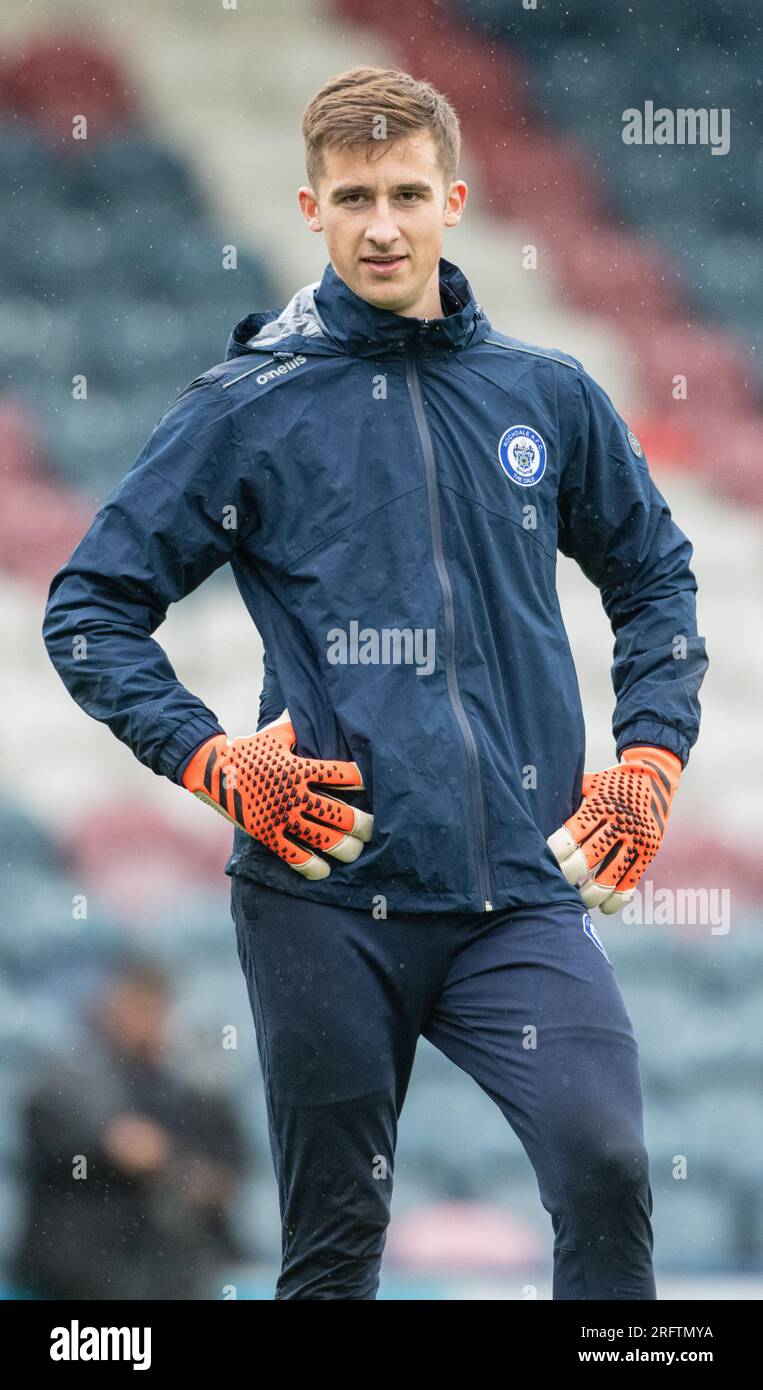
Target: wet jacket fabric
(390,493)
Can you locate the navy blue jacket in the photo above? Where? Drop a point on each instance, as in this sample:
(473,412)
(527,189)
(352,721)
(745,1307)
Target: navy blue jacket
(390,493)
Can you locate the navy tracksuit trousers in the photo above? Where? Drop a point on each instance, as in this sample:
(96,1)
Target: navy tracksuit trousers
(339,1001)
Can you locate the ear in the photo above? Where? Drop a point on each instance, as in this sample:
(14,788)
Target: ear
(309,207)
(455,203)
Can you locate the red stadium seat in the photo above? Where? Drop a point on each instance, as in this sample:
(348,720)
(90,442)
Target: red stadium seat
(731,455)
(611,273)
(20,448)
(487,84)
(532,177)
(57,78)
(707,439)
(669,439)
(715,365)
(39,528)
(462,1236)
(704,859)
(137,860)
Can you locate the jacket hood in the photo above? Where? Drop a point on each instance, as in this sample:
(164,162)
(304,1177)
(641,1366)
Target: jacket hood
(330,316)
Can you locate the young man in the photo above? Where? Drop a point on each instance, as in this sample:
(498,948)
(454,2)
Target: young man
(390,477)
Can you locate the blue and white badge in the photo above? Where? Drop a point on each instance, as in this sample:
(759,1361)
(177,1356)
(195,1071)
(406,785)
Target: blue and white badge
(593,935)
(635,444)
(523,455)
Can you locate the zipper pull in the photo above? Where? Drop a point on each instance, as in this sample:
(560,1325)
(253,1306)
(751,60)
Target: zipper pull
(488,906)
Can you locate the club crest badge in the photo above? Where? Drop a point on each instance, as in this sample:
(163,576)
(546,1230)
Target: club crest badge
(522,454)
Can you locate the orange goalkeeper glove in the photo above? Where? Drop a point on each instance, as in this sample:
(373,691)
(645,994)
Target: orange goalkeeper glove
(609,843)
(261,785)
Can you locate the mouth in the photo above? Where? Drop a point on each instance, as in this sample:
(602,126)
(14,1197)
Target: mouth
(383,265)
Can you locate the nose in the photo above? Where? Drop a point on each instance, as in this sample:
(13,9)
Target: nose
(382,228)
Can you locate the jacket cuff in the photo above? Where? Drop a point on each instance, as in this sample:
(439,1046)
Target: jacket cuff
(658,735)
(180,747)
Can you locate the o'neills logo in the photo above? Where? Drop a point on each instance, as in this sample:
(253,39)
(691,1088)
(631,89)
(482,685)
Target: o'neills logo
(287,366)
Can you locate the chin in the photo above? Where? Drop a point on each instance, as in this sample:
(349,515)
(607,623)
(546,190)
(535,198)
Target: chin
(375,293)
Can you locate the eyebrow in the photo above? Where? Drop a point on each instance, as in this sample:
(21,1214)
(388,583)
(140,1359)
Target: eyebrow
(345,188)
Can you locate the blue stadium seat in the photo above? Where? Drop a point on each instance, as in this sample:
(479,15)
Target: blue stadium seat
(693,1223)
(27,164)
(723,1128)
(125,170)
(26,845)
(38,929)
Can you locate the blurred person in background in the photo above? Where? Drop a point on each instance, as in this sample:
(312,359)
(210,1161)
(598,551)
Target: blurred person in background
(129,1171)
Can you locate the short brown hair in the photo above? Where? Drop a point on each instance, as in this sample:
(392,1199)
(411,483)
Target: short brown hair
(347,111)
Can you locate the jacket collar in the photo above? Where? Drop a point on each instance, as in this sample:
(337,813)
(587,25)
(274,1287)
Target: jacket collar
(329,315)
(363,329)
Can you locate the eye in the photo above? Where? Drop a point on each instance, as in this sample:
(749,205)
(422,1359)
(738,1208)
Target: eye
(410,193)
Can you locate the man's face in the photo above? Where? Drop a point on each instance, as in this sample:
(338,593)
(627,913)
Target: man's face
(383,220)
(135,1017)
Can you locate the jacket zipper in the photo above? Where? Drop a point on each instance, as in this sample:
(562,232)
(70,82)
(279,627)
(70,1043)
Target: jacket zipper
(478,797)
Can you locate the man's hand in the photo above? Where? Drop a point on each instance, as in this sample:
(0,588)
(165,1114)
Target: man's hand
(137,1144)
(265,788)
(609,843)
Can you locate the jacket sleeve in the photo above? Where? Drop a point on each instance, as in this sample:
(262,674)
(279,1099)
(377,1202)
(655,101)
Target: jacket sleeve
(619,529)
(177,515)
